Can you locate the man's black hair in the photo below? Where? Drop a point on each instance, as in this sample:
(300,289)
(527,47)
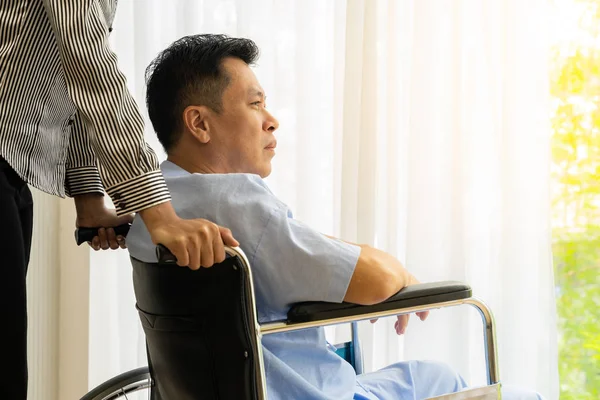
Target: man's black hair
(190,72)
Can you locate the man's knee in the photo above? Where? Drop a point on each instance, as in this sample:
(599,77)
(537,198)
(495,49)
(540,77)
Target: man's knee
(412,379)
(436,378)
(514,393)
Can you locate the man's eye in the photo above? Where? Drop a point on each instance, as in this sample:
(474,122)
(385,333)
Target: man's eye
(260,103)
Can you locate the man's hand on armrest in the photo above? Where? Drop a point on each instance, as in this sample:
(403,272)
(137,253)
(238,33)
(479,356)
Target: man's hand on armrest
(402,320)
(378,276)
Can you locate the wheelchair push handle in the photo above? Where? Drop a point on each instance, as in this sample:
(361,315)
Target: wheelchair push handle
(164,255)
(83,235)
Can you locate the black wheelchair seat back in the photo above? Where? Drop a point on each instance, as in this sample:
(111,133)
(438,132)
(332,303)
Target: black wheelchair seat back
(198,333)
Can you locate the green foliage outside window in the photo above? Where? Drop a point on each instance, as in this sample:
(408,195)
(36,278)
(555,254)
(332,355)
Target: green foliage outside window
(575,89)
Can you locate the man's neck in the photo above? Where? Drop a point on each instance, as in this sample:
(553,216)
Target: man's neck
(191,166)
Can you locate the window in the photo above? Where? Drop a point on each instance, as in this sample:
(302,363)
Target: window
(575,90)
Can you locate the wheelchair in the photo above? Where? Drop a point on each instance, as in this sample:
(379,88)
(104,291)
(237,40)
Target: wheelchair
(204,340)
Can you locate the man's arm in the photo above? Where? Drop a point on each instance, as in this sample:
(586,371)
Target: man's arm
(376,277)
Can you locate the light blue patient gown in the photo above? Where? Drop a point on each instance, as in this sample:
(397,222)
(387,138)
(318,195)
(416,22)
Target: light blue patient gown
(291,263)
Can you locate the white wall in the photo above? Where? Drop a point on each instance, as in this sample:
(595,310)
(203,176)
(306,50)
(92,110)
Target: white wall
(43,299)
(58,303)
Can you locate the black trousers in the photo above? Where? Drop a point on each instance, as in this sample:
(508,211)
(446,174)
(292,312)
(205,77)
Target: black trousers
(16,223)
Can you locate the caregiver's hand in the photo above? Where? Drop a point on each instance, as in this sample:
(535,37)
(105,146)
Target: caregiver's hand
(92,213)
(194,242)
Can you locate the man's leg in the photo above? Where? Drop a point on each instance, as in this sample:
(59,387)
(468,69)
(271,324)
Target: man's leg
(412,380)
(16,222)
(513,393)
(423,379)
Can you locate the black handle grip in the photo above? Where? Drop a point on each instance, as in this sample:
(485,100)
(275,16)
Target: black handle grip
(164,255)
(87,234)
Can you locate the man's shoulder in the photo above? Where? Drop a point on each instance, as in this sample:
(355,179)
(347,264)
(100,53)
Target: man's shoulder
(240,202)
(218,185)
(217,195)
(174,173)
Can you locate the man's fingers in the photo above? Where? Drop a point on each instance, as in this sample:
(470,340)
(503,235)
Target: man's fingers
(112,239)
(401,323)
(423,315)
(227,237)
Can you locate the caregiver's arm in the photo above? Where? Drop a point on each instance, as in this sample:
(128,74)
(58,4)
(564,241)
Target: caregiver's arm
(377,276)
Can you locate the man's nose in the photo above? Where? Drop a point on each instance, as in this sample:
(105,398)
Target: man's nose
(271,124)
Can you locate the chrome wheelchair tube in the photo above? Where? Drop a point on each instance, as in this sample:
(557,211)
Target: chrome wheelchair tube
(489,339)
(489,326)
(283,326)
(261,381)
(358,358)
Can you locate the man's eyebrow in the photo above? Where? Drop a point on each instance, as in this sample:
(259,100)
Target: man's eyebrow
(256,92)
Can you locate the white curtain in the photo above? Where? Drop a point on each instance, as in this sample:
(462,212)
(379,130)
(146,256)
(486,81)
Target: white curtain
(418,126)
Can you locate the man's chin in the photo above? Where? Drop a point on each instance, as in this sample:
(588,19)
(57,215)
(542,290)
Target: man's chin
(266,172)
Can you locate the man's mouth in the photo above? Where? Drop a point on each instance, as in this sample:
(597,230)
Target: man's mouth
(271,146)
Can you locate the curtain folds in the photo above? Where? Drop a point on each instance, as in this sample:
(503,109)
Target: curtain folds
(420,127)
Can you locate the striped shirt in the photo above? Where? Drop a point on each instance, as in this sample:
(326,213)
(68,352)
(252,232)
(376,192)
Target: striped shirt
(68,124)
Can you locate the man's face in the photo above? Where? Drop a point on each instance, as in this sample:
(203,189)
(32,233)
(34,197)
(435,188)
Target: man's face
(242,133)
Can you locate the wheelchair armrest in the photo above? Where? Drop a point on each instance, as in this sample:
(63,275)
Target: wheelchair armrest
(423,294)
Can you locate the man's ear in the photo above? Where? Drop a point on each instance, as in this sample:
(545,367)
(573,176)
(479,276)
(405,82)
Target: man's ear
(195,119)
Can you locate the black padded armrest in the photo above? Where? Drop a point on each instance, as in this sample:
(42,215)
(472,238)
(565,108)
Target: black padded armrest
(412,296)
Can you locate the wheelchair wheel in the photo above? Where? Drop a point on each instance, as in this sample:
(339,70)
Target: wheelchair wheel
(121,386)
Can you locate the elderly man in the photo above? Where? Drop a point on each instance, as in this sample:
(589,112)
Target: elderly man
(209,112)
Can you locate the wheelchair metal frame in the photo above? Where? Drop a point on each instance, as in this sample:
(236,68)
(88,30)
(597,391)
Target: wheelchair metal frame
(491,354)
(487,317)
